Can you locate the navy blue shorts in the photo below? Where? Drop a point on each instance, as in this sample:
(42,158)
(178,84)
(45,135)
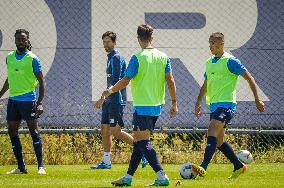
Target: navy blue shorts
(112,114)
(21,110)
(142,123)
(223,115)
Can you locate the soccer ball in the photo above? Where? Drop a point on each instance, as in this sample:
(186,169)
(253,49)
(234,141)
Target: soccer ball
(186,171)
(245,156)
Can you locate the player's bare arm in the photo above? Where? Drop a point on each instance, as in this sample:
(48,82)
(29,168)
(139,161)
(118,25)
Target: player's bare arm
(4,88)
(253,86)
(172,89)
(201,94)
(41,82)
(121,84)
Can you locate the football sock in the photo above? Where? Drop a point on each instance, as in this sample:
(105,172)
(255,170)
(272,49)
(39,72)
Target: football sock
(135,159)
(209,151)
(17,149)
(161,175)
(150,154)
(127,176)
(227,150)
(107,158)
(38,148)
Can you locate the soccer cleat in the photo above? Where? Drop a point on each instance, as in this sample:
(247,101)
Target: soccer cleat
(122,182)
(238,172)
(101,165)
(18,171)
(158,182)
(41,170)
(144,162)
(199,170)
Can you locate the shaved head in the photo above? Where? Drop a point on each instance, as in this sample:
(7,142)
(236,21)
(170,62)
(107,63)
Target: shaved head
(218,36)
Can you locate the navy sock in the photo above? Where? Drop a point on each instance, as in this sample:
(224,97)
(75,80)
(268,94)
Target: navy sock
(209,151)
(38,149)
(227,150)
(150,154)
(135,159)
(17,149)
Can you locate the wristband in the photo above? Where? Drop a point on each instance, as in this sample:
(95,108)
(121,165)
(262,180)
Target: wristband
(110,90)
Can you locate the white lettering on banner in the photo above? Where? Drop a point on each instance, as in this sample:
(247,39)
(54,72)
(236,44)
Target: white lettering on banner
(34,16)
(235,18)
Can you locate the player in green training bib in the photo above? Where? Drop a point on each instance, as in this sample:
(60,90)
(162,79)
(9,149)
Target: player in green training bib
(24,74)
(221,77)
(149,70)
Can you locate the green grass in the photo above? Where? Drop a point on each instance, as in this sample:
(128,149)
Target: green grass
(258,175)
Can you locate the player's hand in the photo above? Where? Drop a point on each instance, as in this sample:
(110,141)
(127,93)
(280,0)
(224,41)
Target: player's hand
(174,110)
(259,105)
(99,102)
(39,109)
(197,111)
(105,94)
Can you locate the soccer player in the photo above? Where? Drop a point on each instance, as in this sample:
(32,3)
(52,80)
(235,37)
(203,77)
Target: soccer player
(149,70)
(112,108)
(221,77)
(24,74)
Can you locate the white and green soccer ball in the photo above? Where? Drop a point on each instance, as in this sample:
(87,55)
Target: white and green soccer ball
(186,171)
(245,156)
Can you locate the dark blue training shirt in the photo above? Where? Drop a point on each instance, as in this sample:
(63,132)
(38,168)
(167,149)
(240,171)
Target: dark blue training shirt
(115,71)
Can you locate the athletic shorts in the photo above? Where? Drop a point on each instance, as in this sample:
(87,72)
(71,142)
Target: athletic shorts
(142,123)
(21,110)
(223,115)
(112,114)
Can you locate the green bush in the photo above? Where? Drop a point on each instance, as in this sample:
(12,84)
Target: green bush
(171,148)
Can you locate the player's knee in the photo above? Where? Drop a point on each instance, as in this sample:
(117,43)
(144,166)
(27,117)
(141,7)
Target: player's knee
(219,143)
(35,135)
(105,130)
(116,131)
(212,132)
(141,135)
(13,132)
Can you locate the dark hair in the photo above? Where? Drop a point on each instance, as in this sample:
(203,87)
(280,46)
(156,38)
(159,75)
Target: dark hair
(110,34)
(19,31)
(145,32)
(218,35)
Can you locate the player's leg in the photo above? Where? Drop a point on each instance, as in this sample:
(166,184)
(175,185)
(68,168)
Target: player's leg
(28,113)
(143,125)
(122,135)
(133,165)
(116,123)
(37,143)
(214,128)
(106,139)
(13,121)
(227,150)
(13,127)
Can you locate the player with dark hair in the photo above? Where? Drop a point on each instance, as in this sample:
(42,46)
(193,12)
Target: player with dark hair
(112,108)
(24,74)
(221,77)
(149,70)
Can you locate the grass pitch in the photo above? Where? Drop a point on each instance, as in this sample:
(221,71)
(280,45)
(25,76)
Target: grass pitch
(258,175)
